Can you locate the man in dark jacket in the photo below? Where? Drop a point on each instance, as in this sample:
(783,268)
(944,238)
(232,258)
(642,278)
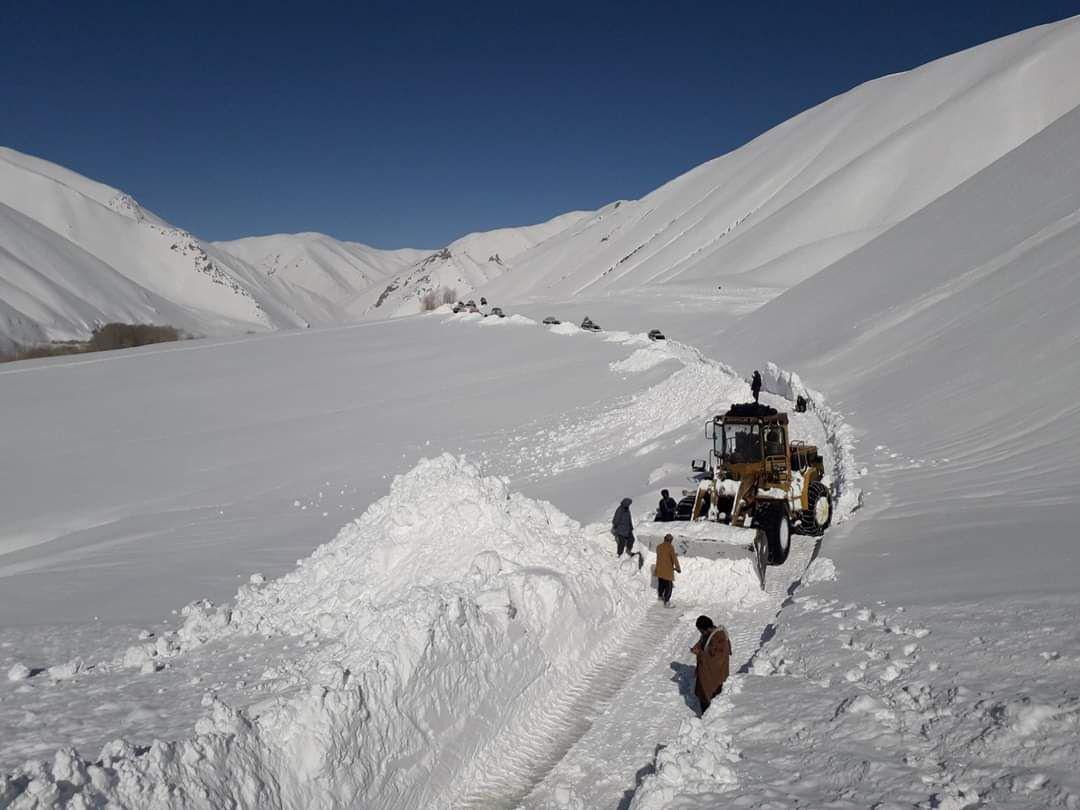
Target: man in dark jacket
(665,512)
(713,653)
(755,385)
(622,526)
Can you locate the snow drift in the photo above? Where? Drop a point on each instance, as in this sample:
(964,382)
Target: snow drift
(450,612)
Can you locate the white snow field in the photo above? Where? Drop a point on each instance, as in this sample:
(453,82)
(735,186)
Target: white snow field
(397,665)
(906,254)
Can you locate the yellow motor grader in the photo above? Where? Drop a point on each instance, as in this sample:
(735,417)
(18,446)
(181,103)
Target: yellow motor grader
(753,475)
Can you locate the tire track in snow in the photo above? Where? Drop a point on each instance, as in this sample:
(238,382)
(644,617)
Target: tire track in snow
(589,760)
(525,763)
(531,775)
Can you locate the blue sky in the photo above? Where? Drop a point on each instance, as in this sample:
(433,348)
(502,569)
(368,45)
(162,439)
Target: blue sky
(410,124)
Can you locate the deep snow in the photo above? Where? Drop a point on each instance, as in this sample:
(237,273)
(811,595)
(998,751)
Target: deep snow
(416,624)
(927,658)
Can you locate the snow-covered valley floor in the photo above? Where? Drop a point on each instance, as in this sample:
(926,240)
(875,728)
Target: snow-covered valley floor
(462,642)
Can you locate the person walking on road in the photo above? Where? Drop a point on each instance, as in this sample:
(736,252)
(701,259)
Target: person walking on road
(622,526)
(713,653)
(755,385)
(667,563)
(665,512)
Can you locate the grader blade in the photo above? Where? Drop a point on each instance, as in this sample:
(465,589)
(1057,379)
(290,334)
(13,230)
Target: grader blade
(710,539)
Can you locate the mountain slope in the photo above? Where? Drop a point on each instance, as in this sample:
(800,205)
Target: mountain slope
(75,253)
(70,230)
(818,186)
(463,266)
(332,271)
(954,336)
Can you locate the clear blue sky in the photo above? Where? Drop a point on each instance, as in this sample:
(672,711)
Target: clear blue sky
(401,124)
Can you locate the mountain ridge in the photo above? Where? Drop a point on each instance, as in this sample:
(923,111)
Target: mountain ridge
(768,215)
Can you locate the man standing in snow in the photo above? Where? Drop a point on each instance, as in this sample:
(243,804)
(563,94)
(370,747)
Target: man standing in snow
(667,563)
(665,512)
(622,526)
(755,385)
(713,653)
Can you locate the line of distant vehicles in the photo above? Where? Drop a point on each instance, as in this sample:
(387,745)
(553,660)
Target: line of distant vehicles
(470,306)
(588,324)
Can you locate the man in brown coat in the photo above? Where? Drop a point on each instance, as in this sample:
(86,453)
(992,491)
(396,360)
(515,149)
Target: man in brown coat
(713,653)
(667,563)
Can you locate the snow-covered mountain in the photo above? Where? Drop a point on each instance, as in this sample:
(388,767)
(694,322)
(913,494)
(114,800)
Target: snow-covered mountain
(363,282)
(820,185)
(332,272)
(464,641)
(75,253)
(463,266)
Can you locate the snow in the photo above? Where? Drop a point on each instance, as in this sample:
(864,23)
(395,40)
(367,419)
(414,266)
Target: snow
(449,562)
(564,328)
(817,187)
(18,672)
(509,320)
(463,266)
(221,438)
(324,270)
(905,255)
(75,253)
(822,569)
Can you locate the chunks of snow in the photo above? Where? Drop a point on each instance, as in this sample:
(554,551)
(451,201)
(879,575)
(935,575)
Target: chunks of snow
(509,320)
(821,569)
(18,672)
(66,671)
(565,328)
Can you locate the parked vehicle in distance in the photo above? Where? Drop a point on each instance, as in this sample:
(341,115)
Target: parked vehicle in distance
(656,334)
(551,320)
(589,326)
(497,312)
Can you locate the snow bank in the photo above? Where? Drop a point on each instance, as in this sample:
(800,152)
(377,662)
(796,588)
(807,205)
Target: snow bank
(653,353)
(617,336)
(565,329)
(509,320)
(838,432)
(691,393)
(463,317)
(641,360)
(449,613)
(700,763)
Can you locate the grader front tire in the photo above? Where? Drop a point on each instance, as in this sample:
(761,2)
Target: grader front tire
(773,520)
(818,514)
